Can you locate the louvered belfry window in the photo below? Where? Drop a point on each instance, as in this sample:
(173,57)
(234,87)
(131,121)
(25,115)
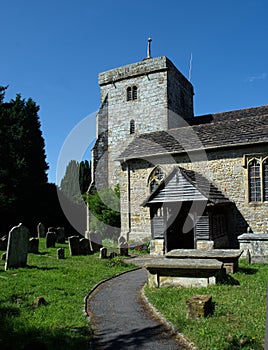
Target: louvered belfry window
(129,93)
(132,93)
(254,169)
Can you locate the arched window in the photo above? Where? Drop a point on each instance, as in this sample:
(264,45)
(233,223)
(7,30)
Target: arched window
(254,173)
(265,180)
(132,127)
(155,178)
(132,93)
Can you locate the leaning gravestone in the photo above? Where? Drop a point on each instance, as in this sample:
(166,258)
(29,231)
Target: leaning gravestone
(17,247)
(41,231)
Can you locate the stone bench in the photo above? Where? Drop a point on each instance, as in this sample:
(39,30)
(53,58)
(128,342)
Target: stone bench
(229,257)
(163,272)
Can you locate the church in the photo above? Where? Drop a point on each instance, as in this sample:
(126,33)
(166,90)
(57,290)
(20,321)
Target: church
(186,181)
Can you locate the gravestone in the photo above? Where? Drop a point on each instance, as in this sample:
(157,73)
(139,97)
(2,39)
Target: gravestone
(51,238)
(33,245)
(123,246)
(74,245)
(17,248)
(199,306)
(41,231)
(60,234)
(60,253)
(95,241)
(103,253)
(84,247)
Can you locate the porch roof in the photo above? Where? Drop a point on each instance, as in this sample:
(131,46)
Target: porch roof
(183,185)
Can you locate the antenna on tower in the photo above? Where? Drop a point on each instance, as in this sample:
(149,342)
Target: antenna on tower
(149,48)
(190,68)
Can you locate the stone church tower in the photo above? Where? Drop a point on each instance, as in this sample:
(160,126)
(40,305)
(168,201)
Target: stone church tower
(142,97)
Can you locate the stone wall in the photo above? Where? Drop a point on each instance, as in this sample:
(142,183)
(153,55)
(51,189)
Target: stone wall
(224,168)
(160,87)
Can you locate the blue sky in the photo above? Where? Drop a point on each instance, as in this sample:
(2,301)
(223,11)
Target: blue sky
(53,50)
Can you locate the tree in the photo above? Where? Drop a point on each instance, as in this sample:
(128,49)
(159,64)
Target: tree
(22,160)
(76,180)
(104,207)
(84,176)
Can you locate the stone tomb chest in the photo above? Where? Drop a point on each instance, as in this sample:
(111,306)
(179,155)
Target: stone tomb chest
(229,257)
(188,272)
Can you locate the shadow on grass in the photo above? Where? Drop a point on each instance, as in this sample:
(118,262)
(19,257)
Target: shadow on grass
(247,270)
(15,334)
(230,280)
(45,268)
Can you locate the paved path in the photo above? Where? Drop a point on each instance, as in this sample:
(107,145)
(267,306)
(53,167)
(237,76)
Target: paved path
(119,320)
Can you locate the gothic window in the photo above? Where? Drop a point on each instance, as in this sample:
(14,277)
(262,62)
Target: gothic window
(257,178)
(132,127)
(155,178)
(265,180)
(254,172)
(132,93)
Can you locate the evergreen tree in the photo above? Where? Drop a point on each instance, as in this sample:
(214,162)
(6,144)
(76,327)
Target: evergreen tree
(84,176)
(22,160)
(70,184)
(76,180)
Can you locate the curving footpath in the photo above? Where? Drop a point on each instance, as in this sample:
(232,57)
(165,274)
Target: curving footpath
(119,318)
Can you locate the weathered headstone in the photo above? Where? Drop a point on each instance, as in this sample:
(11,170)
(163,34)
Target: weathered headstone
(95,241)
(60,234)
(41,231)
(123,246)
(51,238)
(199,306)
(103,253)
(84,247)
(17,248)
(60,253)
(33,245)
(74,245)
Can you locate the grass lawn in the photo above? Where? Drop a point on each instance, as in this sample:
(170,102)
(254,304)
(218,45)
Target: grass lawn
(61,324)
(240,310)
